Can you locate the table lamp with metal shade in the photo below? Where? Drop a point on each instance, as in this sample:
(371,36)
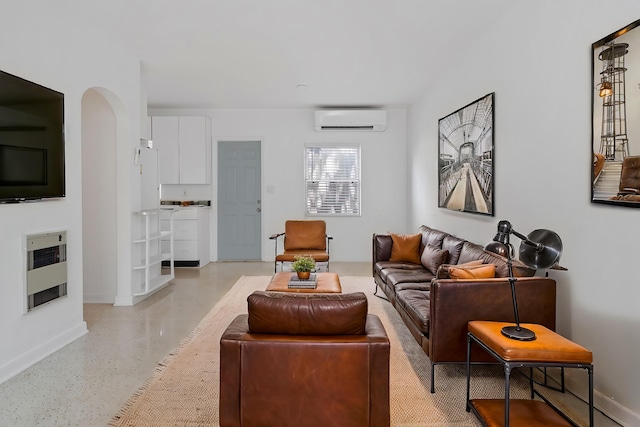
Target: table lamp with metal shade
(541,249)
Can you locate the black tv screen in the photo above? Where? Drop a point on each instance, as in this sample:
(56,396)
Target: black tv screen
(31,140)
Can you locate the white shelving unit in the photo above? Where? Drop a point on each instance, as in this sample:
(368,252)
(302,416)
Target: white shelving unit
(151,255)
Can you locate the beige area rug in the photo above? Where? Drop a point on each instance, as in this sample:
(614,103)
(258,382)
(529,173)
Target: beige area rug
(184,389)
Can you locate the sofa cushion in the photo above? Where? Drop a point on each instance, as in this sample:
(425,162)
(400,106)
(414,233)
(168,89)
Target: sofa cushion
(307,314)
(416,304)
(406,247)
(431,236)
(454,245)
(484,271)
(383,265)
(382,246)
(471,251)
(432,258)
(422,286)
(416,276)
(470,263)
(384,270)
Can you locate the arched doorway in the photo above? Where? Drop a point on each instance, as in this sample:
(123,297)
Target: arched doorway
(99,198)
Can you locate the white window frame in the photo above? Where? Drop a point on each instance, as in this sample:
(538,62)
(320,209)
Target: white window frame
(355,202)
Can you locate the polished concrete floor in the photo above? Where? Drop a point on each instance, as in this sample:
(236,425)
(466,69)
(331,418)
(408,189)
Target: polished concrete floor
(87,382)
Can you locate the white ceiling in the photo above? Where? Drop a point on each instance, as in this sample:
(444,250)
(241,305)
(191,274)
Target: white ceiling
(254,53)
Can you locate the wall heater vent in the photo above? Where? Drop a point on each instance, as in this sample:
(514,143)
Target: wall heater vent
(46,256)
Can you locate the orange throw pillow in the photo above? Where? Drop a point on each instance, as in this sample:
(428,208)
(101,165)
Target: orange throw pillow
(406,248)
(484,271)
(443,270)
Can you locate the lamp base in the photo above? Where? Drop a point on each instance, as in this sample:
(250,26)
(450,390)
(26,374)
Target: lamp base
(518,333)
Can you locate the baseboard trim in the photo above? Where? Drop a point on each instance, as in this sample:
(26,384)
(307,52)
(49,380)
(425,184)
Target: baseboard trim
(612,409)
(35,355)
(98,298)
(182,264)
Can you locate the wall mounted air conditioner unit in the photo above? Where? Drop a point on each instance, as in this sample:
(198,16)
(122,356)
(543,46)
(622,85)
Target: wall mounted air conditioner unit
(343,120)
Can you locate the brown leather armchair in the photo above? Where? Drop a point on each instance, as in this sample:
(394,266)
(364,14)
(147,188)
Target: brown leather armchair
(305,360)
(629,189)
(303,237)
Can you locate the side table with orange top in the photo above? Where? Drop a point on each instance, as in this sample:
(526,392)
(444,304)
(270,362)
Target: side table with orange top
(547,350)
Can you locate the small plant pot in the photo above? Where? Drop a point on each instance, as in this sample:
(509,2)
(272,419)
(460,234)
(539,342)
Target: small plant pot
(303,275)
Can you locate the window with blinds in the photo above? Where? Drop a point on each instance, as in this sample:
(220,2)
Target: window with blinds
(332,180)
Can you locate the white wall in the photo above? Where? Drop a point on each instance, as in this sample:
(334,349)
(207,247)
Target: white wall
(536,59)
(283,133)
(54,48)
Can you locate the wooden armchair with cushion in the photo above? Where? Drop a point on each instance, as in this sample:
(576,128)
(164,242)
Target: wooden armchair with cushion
(303,237)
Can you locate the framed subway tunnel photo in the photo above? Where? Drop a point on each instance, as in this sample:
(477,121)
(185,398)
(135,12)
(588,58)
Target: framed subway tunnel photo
(465,158)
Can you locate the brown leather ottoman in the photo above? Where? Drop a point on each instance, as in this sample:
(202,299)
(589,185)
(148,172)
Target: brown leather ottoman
(328,283)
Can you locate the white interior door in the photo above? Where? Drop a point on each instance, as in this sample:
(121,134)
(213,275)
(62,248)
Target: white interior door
(239,201)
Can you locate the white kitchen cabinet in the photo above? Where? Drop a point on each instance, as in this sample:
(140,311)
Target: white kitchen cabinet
(184,149)
(193,151)
(152,246)
(165,133)
(190,236)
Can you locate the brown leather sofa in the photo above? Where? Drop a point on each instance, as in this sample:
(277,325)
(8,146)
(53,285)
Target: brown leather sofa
(436,308)
(305,360)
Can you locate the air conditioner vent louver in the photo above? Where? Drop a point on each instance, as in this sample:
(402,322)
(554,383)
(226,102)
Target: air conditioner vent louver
(347,127)
(350,120)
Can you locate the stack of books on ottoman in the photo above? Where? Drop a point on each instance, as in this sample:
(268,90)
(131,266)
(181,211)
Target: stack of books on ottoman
(296,283)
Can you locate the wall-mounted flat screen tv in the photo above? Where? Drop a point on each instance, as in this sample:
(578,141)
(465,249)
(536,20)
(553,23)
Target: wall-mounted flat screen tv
(31,140)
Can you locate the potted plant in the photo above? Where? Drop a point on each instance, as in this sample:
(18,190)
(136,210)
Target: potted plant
(303,265)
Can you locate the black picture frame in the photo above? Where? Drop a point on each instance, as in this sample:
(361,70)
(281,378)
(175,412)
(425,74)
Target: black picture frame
(466,157)
(615,130)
